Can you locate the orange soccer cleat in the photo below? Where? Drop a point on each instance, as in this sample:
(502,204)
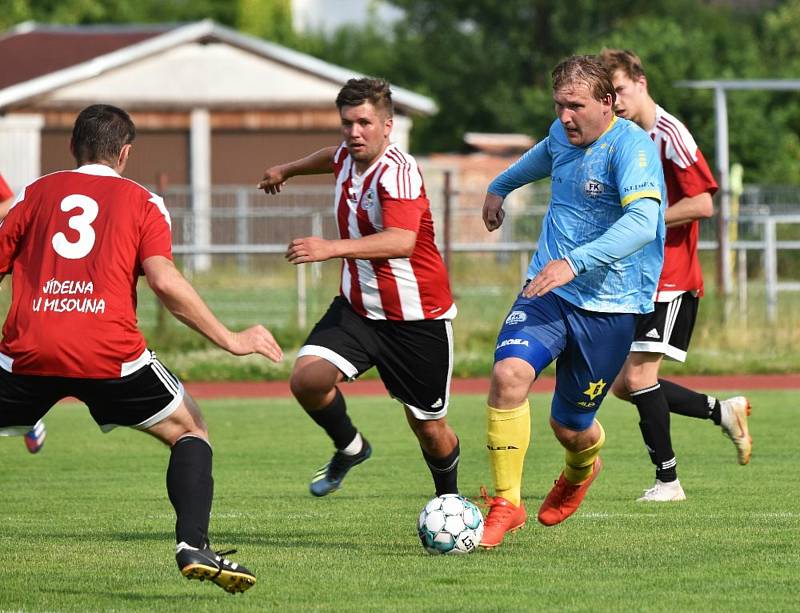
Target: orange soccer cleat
(503,516)
(565,498)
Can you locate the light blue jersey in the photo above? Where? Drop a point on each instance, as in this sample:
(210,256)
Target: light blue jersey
(607,204)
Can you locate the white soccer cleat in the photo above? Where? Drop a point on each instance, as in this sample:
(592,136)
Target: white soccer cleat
(664,492)
(734,412)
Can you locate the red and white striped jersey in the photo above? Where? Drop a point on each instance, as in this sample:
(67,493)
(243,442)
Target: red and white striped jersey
(686,174)
(390,194)
(74,242)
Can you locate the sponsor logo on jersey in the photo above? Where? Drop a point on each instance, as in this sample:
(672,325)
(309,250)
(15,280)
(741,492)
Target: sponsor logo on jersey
(513,341)
(516,317)
(593,188)
(640,186)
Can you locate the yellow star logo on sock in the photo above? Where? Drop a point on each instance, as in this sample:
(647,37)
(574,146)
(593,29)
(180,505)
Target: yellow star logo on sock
(595,389)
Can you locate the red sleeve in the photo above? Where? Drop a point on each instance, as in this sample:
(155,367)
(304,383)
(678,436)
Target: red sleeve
(405,214)
(5,190)
(156,231)
(403,198)
(697,178)
(11,231)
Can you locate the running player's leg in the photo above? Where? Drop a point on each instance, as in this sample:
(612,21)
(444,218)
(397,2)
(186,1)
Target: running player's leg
(333,352)
(153,400)
(440,448)
(638,383)
(596,348)
(532,335)
(640,377)
(731,414)
(24,400)
(190,486)
(415,361)
(582,465)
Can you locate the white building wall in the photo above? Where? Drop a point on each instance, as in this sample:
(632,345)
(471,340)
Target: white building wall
(20,148)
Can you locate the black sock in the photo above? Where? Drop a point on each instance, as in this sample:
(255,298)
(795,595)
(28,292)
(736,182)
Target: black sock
(684,401)
(444,470)
(654,424)
(191,489)
(335,421)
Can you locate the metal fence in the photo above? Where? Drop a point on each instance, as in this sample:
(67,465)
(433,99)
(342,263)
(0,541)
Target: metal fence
(245,221)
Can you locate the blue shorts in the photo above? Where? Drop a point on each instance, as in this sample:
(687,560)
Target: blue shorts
(591,348)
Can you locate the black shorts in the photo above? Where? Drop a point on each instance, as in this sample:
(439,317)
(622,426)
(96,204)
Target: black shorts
(668,329)
(413,358)
(139,400)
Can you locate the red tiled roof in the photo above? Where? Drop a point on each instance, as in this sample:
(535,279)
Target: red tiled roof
(33,54)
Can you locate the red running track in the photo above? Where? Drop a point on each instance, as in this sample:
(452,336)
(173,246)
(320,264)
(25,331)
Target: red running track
(280,389)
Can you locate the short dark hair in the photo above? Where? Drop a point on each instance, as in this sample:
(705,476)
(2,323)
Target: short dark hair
(587,70)
(358,91)
(622,59)
(100,132)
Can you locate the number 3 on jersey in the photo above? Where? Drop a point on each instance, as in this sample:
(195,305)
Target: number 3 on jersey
(82,223)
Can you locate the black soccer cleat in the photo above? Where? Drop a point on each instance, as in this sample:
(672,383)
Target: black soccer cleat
(329,478)
(205,564)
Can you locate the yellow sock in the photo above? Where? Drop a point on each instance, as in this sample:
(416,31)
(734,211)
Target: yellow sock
(508,434)
(579,464)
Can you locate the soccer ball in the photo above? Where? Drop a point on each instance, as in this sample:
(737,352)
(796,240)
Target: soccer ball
(450,524)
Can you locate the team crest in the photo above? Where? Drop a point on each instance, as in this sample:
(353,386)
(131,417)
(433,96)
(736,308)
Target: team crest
(515,317)
(593,188)
(595,389)
(369,200)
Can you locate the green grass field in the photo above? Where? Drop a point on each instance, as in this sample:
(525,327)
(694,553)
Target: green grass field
(86,525)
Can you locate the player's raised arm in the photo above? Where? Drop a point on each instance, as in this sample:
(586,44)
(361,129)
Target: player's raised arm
(316,163)
(185,304)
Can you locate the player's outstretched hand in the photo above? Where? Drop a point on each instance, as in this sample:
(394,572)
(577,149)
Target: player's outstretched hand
(273,180)
(309,249)
(493,212)
(554,274)
(256,339)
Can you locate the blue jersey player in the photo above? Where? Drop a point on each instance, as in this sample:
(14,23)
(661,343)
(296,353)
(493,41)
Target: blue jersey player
(597,265)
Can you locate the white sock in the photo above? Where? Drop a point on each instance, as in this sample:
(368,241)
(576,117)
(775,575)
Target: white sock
(355,445)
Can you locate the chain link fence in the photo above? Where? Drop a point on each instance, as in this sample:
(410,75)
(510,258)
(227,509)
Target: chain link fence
(243,271)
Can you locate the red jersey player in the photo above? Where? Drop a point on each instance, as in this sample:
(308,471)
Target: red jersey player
(6,197)
(75,243)
(666,331)
(34,438)
(394,307)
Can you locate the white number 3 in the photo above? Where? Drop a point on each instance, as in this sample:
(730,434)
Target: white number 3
(82,223)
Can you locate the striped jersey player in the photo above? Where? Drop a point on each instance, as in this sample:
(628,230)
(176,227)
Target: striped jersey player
(667,331)
(390,194)
(394,307)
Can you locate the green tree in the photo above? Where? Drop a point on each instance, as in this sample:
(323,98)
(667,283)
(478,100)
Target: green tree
(268,19)
(69,12)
